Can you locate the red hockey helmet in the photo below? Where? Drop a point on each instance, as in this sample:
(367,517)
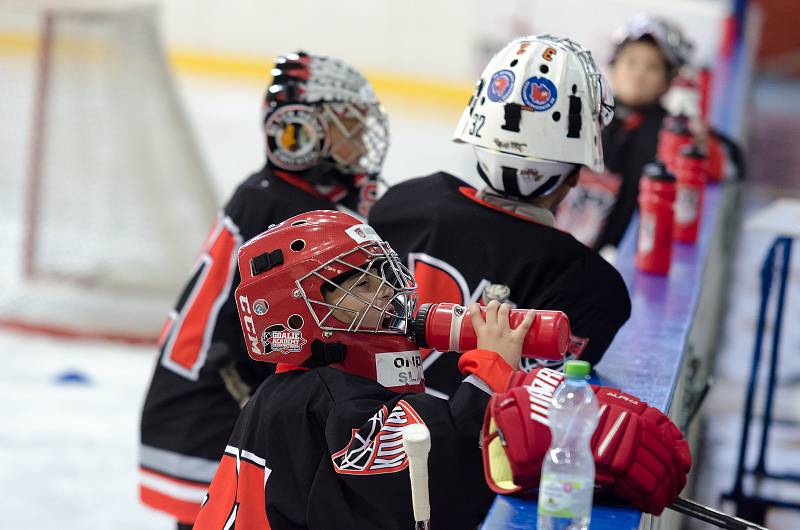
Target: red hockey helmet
(323,288)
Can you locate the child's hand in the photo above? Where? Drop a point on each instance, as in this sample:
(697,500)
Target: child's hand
(494,334)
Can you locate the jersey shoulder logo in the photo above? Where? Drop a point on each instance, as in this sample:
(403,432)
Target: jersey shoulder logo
(439,281)
(377,447)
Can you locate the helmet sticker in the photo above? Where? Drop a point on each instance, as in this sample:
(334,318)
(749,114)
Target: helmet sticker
(500,85)
(523,47)
(362,233)
(260,307)
(530,174)
(295,137)
(539,93)
(548,54)
(510,146)
(280,339)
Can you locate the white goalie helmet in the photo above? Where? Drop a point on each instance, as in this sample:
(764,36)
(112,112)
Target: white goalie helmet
(536,116)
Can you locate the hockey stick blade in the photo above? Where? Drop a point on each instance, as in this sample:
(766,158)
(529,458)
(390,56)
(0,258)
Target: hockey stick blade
(417,444)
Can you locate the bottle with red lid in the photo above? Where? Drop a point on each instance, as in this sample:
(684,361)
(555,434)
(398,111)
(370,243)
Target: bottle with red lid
(675,133)
(691,182)
(656,219)
(448,327)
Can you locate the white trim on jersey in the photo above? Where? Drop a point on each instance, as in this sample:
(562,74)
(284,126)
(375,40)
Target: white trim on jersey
(177,465)
(478,382)
(170,488)
(436,393)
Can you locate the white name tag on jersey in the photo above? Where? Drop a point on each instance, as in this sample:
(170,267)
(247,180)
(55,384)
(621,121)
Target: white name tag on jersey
(398,368)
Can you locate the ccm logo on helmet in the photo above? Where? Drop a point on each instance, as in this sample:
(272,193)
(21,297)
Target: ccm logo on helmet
(249,325)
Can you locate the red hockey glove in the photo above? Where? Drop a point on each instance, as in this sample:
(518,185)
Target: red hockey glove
(639,453)
(640,450)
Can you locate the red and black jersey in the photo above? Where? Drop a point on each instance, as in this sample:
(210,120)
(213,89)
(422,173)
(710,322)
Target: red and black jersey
(322,449)
(188,413)
(599,209)
(456,245)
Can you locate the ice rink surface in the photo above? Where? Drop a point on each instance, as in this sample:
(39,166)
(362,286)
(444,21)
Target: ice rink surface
(69,410)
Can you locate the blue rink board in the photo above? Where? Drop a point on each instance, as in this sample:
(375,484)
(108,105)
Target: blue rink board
(510,513)
(645,357)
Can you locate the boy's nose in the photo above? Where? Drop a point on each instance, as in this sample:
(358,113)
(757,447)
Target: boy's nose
(385,292)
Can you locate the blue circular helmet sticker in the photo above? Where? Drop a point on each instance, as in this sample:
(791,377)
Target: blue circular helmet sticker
(500,85)
(539,93)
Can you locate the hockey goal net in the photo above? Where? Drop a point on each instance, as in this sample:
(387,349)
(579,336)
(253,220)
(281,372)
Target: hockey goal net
(105,200)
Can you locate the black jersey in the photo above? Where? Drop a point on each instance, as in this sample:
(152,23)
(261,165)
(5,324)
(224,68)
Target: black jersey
(322,449)
(457,245)
(599,209)
(190,410)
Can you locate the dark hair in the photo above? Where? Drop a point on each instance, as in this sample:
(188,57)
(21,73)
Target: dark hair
(645,39)
(327,287)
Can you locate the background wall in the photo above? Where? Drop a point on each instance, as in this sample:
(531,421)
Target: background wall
(423,50)
(435,40)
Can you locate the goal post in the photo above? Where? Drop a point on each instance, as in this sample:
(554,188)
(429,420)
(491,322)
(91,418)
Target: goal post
(103,223)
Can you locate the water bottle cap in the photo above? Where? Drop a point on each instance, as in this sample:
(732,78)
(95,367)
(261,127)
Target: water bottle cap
(678,124)
(656,170)
(693,150)
(577,369)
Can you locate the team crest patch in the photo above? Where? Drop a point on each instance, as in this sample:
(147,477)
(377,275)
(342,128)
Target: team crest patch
(377,447)
(279,339)
(539,93)
(295,137)
(500,85)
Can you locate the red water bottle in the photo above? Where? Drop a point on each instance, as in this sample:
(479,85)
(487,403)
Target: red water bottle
(448,327)
(692,176)
(674,134)
(716,160)
(656,217)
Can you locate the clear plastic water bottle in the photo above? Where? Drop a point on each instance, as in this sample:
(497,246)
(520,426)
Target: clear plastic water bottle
(567,484)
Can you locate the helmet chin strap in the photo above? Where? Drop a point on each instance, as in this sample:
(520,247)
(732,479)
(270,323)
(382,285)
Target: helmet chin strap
(326,173)
(325,353)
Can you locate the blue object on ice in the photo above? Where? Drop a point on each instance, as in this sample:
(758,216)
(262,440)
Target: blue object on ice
(72,377)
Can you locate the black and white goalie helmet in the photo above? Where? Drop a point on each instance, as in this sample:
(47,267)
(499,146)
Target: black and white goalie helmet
(320,109)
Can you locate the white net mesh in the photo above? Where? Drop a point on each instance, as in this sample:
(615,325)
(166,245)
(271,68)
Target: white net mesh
(105,199)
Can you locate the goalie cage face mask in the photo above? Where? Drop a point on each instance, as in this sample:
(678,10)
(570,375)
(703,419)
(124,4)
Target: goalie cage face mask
(319,111)
(322,280)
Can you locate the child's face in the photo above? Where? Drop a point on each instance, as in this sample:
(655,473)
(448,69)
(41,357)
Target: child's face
(639,75)
(363,288)
(347,144)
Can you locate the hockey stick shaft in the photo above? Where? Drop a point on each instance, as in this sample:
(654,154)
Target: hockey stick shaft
(417,444)
(712,516)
